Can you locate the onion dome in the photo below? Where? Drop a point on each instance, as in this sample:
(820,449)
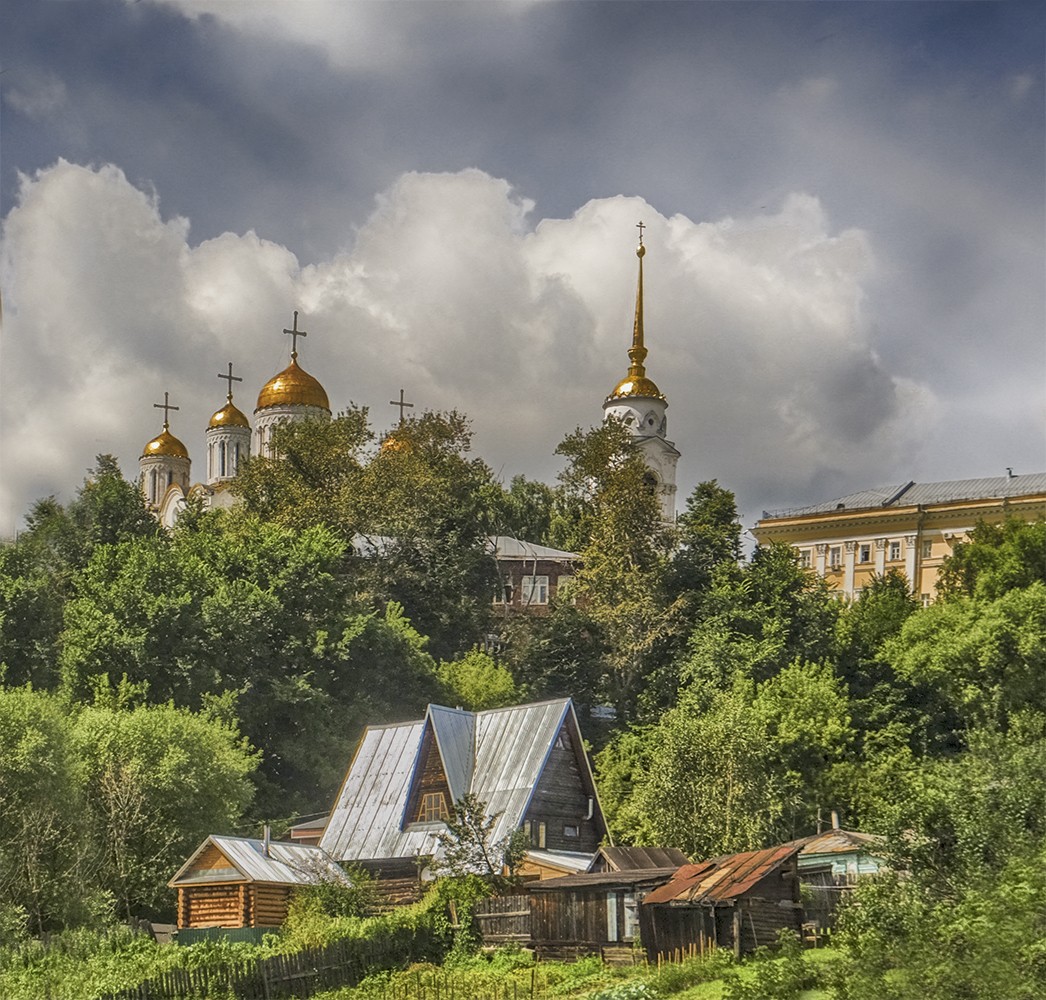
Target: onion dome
(294,386)
(635,383)
(229,416)
(166,445)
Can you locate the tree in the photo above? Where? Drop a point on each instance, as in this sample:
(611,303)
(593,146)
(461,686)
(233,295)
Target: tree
(525,510)
(477,682)
(996,558)
(158,780)
(468,847)
(709,536)
(607,511)
(46,861)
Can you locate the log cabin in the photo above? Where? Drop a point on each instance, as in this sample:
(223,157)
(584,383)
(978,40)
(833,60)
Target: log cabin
(239,882)
(527,764)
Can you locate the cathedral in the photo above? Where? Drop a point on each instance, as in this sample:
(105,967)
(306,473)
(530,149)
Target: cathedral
(291,395)
(294,395)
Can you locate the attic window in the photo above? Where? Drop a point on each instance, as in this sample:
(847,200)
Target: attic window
(433,808)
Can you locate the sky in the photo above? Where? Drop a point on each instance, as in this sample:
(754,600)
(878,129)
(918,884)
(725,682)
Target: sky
(844,211)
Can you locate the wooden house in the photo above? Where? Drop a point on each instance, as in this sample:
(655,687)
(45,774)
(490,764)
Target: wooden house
(593,913)
(740,901)
(238,882)
(526,764)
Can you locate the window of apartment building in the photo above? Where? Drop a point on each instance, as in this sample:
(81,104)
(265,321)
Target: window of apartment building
(535,590)
(864,554)
(835,557)
(433,808)
(924,600)
(927,548)
(895,551)
(804,558)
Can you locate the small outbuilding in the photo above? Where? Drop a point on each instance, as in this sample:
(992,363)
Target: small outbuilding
(629,859)
(739,901)
(238,882)
(593,913)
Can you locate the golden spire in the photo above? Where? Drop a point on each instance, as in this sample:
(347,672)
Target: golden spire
(635,383)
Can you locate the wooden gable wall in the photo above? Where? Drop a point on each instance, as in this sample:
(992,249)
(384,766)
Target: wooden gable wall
(561,799)
(429,778)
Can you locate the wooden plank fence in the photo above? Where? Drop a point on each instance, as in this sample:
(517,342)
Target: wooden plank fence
(282,977)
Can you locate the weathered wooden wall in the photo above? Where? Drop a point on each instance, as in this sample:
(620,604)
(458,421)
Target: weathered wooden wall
(561,799)
(212,906)
(503,918)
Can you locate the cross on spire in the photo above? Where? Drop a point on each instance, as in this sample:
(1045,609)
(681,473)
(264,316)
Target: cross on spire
(230,378)
(640,226)
(165,406)
(402,406)
(295,333)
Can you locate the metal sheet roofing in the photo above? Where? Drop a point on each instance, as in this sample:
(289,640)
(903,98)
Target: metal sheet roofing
(837,842)
(630,858)
(285,864)
(912,493)
(576,861)
(721,879)
(508,748)
(596,880)
(507,547)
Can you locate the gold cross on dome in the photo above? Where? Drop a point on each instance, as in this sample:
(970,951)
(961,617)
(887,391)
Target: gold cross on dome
(640,226)
(165,406)
(230,378)
(295,333)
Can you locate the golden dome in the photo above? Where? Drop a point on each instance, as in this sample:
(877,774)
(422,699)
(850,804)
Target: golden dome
(228,416)
(639,386)
(165,445)
(294,386)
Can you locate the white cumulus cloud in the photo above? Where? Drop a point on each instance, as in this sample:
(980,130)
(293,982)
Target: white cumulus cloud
(453,290)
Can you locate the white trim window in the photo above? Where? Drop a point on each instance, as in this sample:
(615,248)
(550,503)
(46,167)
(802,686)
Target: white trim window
(895,551)
(534,590)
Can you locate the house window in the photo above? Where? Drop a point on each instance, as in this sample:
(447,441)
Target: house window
(535,590)
(804,558)
(534,831)
(433,808)
(895,551)
(835,557)
(864,554)
(924,599)
(927,549)
(571,830)
(505,597)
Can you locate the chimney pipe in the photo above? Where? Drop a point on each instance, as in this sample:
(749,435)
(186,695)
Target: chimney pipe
(835,820)
(266,836)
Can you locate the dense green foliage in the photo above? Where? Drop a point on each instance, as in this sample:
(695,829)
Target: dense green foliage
(156,686)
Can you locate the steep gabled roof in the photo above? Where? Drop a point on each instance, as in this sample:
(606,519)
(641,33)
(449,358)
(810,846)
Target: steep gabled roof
(722,879)
(285,864)
(497,755)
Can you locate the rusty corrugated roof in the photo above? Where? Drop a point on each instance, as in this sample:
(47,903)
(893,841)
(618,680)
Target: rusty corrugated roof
(721,879)
(597,880)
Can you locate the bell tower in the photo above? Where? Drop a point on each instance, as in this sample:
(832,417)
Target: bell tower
(638,403)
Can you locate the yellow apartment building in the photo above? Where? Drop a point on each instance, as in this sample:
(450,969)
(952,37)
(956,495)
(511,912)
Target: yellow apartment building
(910,527)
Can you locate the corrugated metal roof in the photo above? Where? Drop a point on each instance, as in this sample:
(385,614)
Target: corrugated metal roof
(286,864)
(912,493)
(593,880)
(837,842)
(721,879)
(455,733)
(511,746)
(631,858)
(507,547)
(577,861)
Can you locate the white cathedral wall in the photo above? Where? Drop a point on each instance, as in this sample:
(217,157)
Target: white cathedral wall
(266,421)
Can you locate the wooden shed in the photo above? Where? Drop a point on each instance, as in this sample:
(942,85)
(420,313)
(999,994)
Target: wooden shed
(593,913)
(239,882)
(739,901)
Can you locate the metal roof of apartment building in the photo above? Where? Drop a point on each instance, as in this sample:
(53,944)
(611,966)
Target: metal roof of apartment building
(912,494)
